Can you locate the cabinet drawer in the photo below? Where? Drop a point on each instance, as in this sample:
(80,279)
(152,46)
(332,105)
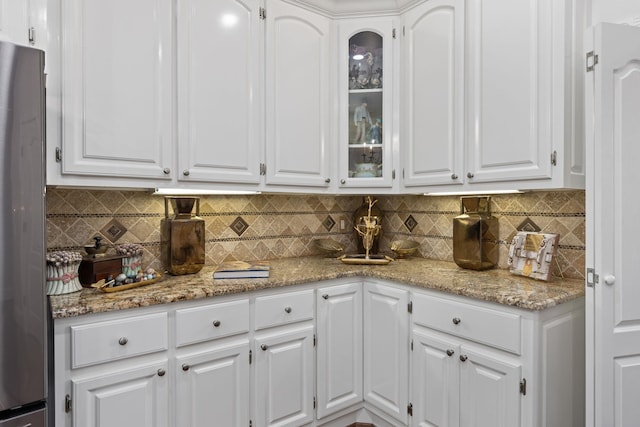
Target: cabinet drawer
(274,310)
(117,339)
(483,325)
(212,321)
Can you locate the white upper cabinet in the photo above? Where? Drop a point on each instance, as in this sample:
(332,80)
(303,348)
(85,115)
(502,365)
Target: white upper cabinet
(433,83)
(366,87)
(117,88)
(23,22)
(219,91)
(298,76)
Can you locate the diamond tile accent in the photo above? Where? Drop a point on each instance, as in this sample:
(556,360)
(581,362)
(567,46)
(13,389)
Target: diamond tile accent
(328,223)
(114,230)
(410,223)
(528,225)
(239,225)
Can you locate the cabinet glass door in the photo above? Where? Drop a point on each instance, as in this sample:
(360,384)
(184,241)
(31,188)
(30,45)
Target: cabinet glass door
(365,134)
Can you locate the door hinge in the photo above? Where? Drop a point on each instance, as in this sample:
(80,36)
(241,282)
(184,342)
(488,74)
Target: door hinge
(393,174)
(403,31)
(410,307)
(250,423)
(58,154)
(523,387)
(263,13)
(314,402)
(32,35)
(67,404)
(410,410)
(554,158)
(250,357)
(411,345)
(592,277)
(393,33)
(314,340)
(263,169)
(592,61)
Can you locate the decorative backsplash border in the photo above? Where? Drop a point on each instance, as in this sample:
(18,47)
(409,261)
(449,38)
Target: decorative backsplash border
(276,226)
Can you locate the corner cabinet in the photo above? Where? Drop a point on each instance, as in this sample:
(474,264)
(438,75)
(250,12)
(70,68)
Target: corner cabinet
(366,87)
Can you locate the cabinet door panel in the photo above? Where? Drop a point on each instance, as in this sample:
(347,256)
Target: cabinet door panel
(116,68)
(298,86)
(214,385)
(515,88)
(339,348)
(386,349)
(434,83)
(136,397)
(219,64)
(489,390)
(284,378)
(435,373)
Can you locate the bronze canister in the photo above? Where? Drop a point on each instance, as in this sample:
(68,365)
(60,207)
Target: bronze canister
(475,234)
(182,236)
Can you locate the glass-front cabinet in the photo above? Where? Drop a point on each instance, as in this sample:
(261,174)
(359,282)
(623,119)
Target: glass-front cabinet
(365,81)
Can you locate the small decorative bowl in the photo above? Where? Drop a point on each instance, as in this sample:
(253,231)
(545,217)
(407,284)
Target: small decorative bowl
(328,247)
(404,248)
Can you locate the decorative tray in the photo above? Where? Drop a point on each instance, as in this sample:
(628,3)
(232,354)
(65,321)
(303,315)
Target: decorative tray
(361,259)
(128,286)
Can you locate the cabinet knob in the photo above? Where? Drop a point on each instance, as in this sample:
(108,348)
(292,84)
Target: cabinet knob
(456,320)
(327,180)
(343,181)
(123,341)
(609,279)
(185,172)
(161,372)
(264,347)
(185,367)
(287,310)
(463,358)
(216,323)
(469,175)
(166,171)
(450,352)
(325,296)
(454,176)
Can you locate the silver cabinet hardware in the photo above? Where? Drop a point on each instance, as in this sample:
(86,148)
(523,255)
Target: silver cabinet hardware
(456,320)
(454,176)
(450,352)
(161,372)
(166,171)
(31,33)
(609,279)
(264,347)
(327,180)
(343,181)
(216,323)
(325,296)
(185,172)
(287,310)
(123,341)
(469,175)
(463,358)
(185,367)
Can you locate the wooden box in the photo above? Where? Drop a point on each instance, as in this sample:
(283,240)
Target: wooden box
(93,269)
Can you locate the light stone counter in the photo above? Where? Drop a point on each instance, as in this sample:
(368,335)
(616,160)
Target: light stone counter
(492,285)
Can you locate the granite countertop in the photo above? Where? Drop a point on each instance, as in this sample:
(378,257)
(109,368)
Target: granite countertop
(495,285)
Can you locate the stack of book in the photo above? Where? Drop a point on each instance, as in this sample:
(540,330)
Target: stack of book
(242,270)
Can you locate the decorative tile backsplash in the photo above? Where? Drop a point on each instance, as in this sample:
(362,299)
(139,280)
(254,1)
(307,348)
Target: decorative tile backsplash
(275,226)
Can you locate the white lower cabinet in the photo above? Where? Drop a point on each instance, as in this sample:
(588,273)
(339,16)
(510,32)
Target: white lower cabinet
(386,353)
(339,348)
(386,349)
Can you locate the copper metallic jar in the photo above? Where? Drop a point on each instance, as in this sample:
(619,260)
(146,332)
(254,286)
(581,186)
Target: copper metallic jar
(475,234)
(182,236)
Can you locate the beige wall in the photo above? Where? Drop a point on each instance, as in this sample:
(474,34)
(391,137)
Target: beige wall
(285,225)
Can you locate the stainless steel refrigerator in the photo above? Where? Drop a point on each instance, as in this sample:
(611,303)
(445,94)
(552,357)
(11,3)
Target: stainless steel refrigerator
(23,308)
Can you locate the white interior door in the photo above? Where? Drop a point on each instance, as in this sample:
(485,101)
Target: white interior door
(613,207)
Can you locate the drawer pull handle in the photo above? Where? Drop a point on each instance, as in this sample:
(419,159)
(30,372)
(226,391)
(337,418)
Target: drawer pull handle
(161,372)
(123,341)
(456,320)
(325,296)
(287,309)
(216,323)
(463,358)
(185,367)
(264,347)
(450,352)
